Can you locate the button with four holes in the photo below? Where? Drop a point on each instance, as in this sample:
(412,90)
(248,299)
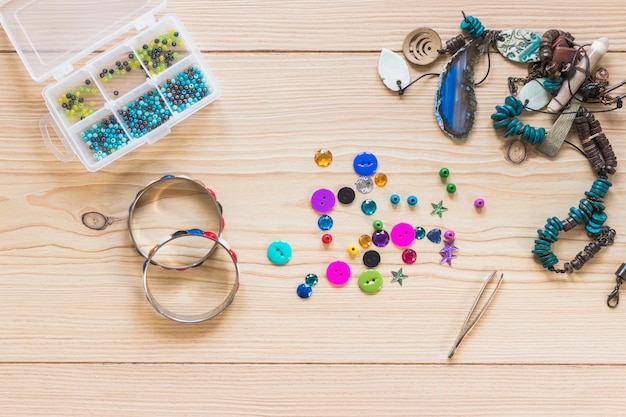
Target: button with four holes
(323,200)
(365,163)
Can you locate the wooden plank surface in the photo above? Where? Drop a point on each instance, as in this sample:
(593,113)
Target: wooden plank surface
(77,333)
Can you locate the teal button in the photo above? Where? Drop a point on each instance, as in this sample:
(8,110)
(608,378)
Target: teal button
(370,281)
(279,252)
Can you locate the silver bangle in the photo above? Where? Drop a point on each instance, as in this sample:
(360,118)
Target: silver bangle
(172,203)
(215,273)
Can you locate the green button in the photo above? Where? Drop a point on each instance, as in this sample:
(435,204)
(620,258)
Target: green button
(370,281)
(279,252)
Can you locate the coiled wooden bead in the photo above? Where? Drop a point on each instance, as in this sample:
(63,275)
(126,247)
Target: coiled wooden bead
(454,44)
(588,144)
(603,145)
(545,45)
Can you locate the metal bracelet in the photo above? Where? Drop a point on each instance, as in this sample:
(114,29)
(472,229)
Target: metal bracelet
(168,204)
(217,243)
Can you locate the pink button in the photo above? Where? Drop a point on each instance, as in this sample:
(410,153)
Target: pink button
(338,272)
(323,200)
(402,234)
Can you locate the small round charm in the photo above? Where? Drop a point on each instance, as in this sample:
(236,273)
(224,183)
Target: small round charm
(421,46)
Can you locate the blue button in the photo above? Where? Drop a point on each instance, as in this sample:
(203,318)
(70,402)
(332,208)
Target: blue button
(279,252)
(365,164)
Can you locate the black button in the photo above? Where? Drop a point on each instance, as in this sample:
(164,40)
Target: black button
(345,195)
(371,258)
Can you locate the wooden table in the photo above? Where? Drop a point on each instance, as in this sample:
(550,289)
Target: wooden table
(78,338)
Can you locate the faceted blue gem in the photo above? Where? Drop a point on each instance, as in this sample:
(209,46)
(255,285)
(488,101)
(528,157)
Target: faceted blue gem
(325,222)
(434,235)
(455,101)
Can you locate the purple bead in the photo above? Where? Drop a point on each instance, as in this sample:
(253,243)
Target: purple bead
(380,238)
(479,203)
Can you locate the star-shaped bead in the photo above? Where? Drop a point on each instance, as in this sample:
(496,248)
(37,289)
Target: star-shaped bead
(398,276)
(446,252)
(438,208)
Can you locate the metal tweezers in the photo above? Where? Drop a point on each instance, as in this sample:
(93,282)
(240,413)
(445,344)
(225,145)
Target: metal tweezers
(469,324)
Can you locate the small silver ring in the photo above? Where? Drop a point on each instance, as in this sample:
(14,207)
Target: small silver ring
(218,242)
(172,203)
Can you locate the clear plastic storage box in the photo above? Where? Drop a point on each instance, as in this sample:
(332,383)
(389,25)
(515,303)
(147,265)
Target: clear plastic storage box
(130,94)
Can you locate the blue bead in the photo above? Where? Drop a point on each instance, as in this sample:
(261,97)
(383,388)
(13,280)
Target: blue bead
(394,198)
(412,200)
(304,290)
(325,222)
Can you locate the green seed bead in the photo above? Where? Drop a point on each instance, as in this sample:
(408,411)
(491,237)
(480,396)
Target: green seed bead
(378,225)
(451,188)
(444,172)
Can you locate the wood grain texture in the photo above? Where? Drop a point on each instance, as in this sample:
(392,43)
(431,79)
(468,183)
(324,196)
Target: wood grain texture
(77,333)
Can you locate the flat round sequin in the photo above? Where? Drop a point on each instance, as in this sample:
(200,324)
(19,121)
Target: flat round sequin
(323,200)
(345,195)
(304,291)
(370,281)
(380,179)
(365,163)
(371,258)
(364,184)
(365,241)
(402,234)
(420,233)
(325,222)
(409,256)
(368,207)
(380,238)
(338,272)
(323,157)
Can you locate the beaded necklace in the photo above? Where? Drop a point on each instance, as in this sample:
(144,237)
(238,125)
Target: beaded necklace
(560,79)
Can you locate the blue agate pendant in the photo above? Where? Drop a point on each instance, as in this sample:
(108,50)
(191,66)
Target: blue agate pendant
(455,101)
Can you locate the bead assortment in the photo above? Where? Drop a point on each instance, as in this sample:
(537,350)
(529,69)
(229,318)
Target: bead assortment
(401,234)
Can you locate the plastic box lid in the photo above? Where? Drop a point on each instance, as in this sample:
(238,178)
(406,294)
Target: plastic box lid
(51,35)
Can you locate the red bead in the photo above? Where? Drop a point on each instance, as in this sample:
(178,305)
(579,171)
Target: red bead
(327,238)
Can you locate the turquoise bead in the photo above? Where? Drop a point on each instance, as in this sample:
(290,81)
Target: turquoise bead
(576,215)
(499,116)
(473,26)
(500,124)
(510,111)
(555,222)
